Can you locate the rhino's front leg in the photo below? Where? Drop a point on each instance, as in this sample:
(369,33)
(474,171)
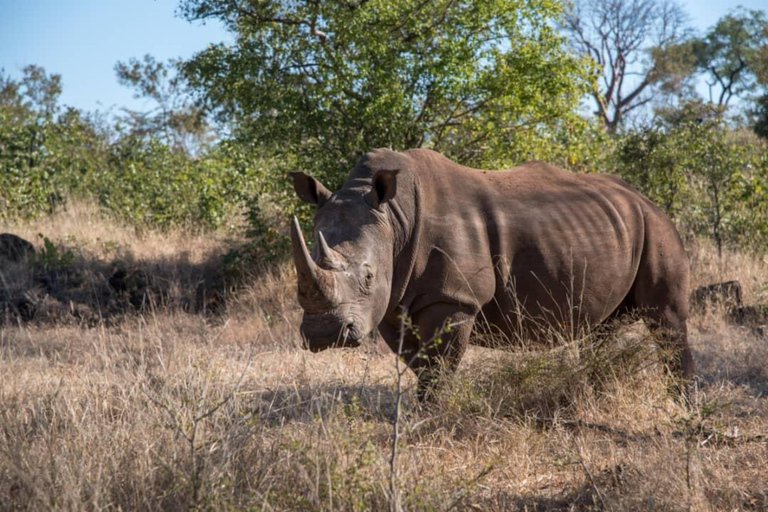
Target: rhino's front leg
(436,348)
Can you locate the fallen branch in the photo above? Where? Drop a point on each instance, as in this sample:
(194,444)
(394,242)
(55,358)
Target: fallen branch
(711,435)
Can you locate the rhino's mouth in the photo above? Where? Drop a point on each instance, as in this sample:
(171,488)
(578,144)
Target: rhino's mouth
(316,347)
(321,332)
(349,336)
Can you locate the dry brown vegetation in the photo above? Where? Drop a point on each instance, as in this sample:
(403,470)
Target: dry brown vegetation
(165,406)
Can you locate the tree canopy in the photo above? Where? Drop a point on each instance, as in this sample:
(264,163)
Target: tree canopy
(733,54)
(175,118)
(322,81)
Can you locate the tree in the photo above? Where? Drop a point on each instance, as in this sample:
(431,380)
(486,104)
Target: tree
(637,45)
(732,54)
(175,119)
(27,107)
(37,93)
(325,81)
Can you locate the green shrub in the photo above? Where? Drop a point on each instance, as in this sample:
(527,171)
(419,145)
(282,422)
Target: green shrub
(711,180)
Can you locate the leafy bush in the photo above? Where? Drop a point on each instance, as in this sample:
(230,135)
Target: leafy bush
(45,160)
(149,183)
(711,180)
(47,156)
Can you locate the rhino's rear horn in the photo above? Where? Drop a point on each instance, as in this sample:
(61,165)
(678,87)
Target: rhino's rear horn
(305,267)
(325,256)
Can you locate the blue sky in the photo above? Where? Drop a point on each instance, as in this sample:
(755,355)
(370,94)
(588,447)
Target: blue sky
(83,39)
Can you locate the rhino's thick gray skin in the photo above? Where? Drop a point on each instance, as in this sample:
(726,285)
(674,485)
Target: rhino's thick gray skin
(512,253)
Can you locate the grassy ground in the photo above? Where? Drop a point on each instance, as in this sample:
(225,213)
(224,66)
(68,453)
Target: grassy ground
(121,403)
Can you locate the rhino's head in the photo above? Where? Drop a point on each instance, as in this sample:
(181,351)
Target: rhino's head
(344,284)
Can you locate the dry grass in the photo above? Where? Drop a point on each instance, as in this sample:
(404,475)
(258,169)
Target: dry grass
(165,408)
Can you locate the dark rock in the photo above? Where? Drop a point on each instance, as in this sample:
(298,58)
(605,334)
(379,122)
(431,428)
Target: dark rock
(727,293)
(14,248)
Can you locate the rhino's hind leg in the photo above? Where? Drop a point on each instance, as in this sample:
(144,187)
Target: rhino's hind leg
(443,335)
(672,338)
(669,330)
(660,296)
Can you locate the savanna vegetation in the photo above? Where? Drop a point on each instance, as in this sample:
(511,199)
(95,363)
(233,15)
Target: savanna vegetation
(149,347)
(312,87)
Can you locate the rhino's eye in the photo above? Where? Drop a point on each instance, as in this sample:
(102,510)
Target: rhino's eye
(368,280)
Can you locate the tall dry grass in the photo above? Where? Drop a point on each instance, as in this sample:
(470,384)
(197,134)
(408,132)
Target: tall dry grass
(167,408)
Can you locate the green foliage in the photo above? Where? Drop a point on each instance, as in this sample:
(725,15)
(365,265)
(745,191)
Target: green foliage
(139,176)
(653,163)
(53,257)
(712,181)
(732,53)
(150,183)
(322,82)
(674,66)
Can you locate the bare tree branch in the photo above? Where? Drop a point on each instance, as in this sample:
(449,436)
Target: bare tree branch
(619,35)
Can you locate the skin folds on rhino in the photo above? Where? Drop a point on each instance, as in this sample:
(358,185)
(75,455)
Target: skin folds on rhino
(512,253)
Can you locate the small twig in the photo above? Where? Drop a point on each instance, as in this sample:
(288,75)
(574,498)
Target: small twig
(594,483)
(463,491)
(395,503)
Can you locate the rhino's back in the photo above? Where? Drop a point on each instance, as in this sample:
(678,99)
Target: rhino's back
(554,244)
(574,246)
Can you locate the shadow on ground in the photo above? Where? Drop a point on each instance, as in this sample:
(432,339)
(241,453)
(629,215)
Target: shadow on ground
(621,487)
(746,368)
(307,404)
(61,284)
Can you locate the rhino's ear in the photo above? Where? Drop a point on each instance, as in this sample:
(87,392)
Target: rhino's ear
(309,189)
(384,187)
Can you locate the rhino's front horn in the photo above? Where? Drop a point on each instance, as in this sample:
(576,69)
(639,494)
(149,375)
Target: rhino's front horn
(305,267)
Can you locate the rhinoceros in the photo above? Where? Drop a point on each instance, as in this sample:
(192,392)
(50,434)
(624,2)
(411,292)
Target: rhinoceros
(463,251)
